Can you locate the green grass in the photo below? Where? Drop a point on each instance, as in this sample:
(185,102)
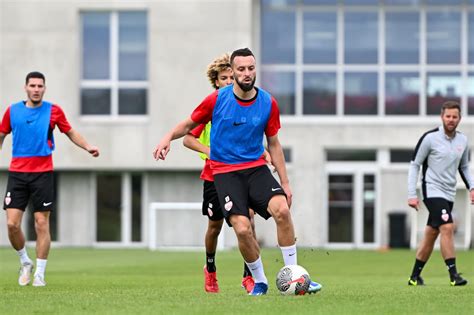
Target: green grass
(99,281)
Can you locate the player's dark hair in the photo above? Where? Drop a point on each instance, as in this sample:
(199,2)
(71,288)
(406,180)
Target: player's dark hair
(242,52)
(35,75)
(451,105)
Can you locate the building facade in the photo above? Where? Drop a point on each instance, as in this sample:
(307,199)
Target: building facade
(357,81)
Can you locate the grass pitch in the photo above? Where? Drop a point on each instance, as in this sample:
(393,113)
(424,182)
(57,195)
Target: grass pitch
(102,281)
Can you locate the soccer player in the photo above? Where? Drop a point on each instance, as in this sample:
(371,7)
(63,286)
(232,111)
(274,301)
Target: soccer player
(30,176)
(241,115)
(442,152)
(219,74)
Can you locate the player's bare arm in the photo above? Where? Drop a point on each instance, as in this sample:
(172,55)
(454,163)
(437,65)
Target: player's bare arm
(191,142)
(81,142)
(472,196)
(179,131)
(278,160)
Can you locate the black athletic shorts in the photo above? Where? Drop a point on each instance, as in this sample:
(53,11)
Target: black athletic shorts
(440,211)
(23,186)
(250,188)
(210,202)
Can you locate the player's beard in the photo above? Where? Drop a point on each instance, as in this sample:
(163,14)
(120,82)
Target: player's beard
(450,127)
(246,86)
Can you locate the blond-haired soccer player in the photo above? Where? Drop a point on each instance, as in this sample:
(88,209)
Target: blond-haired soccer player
(219,74)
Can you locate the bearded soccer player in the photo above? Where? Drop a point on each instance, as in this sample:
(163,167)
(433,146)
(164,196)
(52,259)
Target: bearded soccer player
(442,152)
(219,74)
(241,115)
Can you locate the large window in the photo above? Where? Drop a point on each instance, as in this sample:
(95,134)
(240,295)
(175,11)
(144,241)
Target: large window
(119,207)
(319,95)
(402,93)
(360,96)
(114,63)
(441,87)
(367,57)
(443,37)
(402,37)
(360,37)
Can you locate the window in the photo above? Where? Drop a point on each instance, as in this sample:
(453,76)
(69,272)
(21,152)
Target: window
(401,37)
(360,94)
(400,155)
(360,37)
(114,63)
(339,155)
(319,37)
(470,96)
(279,40)
(402,93)
(109,198)
(340,208)
(288,154)
(319,97)
(119,207)
(340,58)
(282,86)
(441,87)
(443,37)
(471,37)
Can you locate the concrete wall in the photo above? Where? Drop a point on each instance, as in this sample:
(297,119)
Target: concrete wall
(184,36)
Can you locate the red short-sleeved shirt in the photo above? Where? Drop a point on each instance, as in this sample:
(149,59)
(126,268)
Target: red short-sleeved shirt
(38,163)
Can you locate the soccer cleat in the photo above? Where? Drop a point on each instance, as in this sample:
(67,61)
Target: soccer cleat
(25,274)
(210,281)
(314,287)
(457,280)
(248,283)
(414,281)
(259,288)
(38,281)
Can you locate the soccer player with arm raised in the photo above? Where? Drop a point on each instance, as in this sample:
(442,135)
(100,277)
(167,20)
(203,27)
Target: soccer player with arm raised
(30,175)
(241,116)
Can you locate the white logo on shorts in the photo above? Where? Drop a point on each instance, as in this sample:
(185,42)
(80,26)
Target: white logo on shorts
(228,203)
(275,189)
(209,209)
(45,204)
(8,199)
(444,215)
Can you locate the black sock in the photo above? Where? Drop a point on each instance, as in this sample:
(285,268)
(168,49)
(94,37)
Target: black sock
(246,271)
(451,264)
(210,262)
(417,268)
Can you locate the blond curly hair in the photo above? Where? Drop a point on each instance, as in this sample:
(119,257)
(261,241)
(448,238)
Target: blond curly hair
(219,64)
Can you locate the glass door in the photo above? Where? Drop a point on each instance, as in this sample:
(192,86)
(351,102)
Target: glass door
(352,207)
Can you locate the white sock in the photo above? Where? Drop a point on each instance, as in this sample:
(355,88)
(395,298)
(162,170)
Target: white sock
(289,254)
(256,268)
(24,259)
(40,267)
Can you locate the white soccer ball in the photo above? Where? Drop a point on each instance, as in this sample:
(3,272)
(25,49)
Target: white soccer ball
(293,280)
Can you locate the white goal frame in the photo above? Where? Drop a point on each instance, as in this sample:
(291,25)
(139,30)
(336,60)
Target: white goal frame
(154,210)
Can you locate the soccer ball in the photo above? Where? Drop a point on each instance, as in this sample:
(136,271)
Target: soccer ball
(293,280)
